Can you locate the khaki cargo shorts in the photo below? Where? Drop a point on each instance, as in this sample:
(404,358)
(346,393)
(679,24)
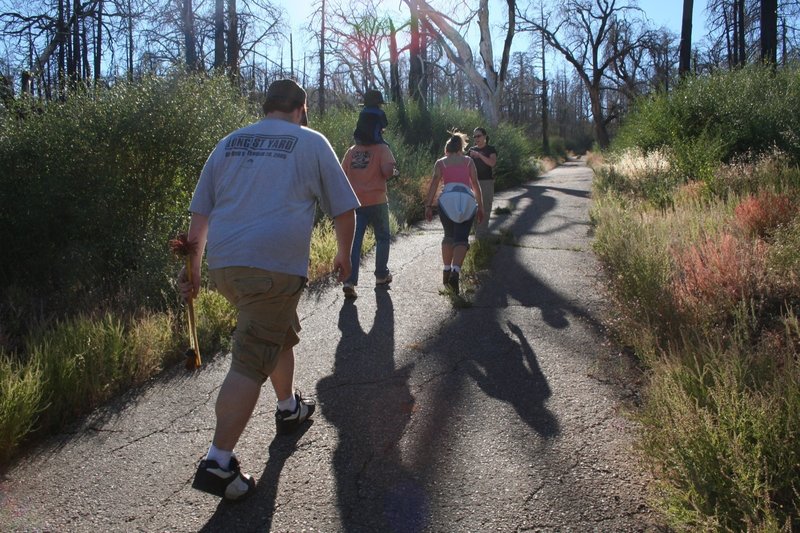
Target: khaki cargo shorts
(268,322)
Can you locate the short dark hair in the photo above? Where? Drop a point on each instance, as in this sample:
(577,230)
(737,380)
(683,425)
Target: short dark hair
(373,98)
(284,96)
(483,132)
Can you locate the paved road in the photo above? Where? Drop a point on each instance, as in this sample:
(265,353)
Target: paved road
(504,416)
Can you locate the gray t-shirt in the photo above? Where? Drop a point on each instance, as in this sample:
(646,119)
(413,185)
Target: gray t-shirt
(260,187)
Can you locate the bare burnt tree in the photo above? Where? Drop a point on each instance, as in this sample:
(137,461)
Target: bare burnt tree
(661,50)
(416,63)
(57,41)
(219,34)
(545,96)
(789,27)
(568,110)
(521,104)
(769,31)
(487,78)
(233,41)
(733,24)
(582,31)
(190,49)
(359,44)
(686,38)
(321,84)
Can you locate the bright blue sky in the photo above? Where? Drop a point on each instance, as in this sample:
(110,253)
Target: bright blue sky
(661,12)
(669,12)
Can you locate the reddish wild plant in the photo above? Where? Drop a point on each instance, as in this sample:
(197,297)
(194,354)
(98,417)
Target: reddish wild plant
(714,276)
(758,216)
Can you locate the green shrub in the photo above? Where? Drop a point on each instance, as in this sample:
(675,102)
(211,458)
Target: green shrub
(771,171)
(407,191)
(641,175)
(82,362)
(151,345)
(515,157)
(93,187)
(216,318)
(711,119)
(20,402)
(722,425)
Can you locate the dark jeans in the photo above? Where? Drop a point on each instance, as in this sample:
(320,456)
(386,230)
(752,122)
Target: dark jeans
(376,216)
(455,232)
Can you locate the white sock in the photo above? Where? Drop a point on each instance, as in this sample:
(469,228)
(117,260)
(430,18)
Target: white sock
(456,268)
(289,404)
(222,457)
(446,268)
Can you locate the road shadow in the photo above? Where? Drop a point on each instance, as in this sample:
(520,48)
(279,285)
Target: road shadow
(517,286)
(369,402)
(484,346)
(512,375)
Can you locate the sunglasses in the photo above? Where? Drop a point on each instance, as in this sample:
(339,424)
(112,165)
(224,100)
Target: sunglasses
(477,136)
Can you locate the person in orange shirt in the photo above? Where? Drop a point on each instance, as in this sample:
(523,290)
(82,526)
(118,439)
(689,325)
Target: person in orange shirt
(368,164)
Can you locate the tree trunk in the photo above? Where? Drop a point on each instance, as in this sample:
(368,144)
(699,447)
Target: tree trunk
(219,34)
(321,87)
(686,38)
(415,64)
(487,81)
(188,35)
(729,46)
(741,33)
(769,31)
(394,65)
(600,131)
(130,40)
(783,41)
(291,55)
(233,41)
(545,110)
(61,40)
(75,73)
(87,72)
(98,44)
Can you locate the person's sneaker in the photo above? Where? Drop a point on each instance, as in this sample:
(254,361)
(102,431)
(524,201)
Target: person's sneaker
(287,422)
(445,277)
(230,484)
(385,280)
(349,290)
(453,281)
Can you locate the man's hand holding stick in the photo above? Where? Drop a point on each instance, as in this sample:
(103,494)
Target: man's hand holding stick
(182,247)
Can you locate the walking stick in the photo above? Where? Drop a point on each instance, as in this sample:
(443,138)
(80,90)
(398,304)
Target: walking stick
(181,247)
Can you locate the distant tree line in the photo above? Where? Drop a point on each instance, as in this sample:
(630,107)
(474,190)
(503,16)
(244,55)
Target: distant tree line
(427,50)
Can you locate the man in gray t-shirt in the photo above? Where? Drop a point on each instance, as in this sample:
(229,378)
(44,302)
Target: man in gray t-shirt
(254,209)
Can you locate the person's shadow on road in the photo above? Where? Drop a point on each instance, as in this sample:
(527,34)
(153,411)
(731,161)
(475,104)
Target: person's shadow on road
(370,403)
(512,374)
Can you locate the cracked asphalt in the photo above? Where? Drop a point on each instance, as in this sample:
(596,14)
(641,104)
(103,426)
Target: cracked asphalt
(508,415)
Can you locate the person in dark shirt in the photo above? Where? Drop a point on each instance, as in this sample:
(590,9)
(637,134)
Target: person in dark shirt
(485,158)
(372,120)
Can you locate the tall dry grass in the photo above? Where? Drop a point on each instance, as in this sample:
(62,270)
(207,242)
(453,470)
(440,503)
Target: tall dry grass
(707,294)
